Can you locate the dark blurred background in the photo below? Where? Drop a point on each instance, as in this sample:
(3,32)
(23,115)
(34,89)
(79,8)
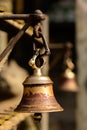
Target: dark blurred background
(61,14)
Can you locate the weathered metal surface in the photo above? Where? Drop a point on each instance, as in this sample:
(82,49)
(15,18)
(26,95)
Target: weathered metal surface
(38,98)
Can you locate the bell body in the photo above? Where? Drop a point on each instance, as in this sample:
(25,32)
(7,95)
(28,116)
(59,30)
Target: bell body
(38,96)
(68,82)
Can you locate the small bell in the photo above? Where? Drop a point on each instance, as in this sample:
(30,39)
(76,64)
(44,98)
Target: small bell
(38,94)
(68,79)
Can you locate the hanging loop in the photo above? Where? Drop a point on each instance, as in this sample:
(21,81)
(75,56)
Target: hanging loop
(44,45)
(36,61)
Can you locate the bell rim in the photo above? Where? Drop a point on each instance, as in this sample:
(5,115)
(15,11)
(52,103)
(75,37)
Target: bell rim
(40,111)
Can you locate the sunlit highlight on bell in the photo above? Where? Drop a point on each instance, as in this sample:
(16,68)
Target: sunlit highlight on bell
(38,94)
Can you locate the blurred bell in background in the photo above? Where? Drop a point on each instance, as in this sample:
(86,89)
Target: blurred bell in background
(68,82)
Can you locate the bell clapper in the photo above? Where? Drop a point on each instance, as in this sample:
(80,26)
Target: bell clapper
(37,117)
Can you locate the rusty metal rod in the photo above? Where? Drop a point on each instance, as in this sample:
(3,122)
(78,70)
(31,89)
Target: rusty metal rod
(18,16)
(39,16)
(14,40)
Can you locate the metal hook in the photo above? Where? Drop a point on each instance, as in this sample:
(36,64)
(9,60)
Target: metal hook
(45,45)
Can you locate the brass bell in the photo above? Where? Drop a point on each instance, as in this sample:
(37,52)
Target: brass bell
(68,81)
(68,78)
(38,94)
